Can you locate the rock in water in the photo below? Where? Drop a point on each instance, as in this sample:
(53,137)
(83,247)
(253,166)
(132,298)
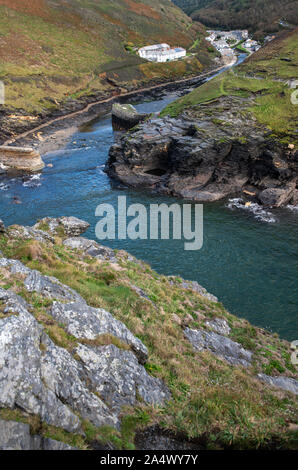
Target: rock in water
(125,116)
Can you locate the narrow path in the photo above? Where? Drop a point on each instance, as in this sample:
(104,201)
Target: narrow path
(107,100)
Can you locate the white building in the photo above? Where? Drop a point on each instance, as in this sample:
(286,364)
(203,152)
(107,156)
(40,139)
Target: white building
(161,53)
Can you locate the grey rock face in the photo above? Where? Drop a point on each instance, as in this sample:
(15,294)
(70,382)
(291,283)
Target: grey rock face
(286,383)
(86,322)
(276,197)
(34,281)
(91,248)
(51,444)
(220,326)
(221,346)
(16,436)
(2,227)
(204,156)
(195,286)
(117,376)
(73,226)
(63,376)
(21,381)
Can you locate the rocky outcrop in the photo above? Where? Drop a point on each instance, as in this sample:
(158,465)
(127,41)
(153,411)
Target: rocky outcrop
(17,436)
(75,372)
(85,322)
(125,116)
(206,155)
(285,383)
(20,158)
(219,345)
(63,387)
(2,227)
(72,226)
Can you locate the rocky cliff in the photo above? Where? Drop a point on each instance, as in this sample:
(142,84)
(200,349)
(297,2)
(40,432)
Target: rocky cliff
(98,351)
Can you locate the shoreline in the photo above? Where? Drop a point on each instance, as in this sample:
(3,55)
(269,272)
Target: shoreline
(53,133)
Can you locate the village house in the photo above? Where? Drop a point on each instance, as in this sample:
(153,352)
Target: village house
(161,53)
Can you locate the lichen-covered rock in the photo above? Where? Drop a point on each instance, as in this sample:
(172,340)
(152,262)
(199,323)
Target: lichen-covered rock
(285,383)
(276,197)
(117,376)
(64,377)
(206,156)
(21,380)
(72,226)
(221,346)
(34,281)
(220,326)
(91,248)
(86,322)
(17,436)
(26,233)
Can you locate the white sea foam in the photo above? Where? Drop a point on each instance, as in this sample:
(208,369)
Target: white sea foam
(257,210)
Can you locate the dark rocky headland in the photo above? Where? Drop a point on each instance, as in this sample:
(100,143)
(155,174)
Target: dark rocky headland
(234,136)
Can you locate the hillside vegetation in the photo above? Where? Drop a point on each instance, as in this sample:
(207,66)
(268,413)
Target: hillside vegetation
(214,403)
(263,80)
(259,16)
(53,50)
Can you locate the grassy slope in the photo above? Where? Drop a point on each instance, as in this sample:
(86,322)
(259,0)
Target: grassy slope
(259,16)
(213,402)
(271,98)
(52,50)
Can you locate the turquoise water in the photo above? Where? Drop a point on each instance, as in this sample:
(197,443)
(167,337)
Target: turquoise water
(249,264)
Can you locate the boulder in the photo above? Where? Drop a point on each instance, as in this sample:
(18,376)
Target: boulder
(220,326)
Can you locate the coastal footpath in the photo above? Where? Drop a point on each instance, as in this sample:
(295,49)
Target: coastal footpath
(233,136)
(98,351)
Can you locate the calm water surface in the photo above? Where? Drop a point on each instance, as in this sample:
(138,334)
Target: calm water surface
(249,264)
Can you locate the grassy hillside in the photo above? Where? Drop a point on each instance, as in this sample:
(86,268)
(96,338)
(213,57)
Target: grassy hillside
(52,50)
(216,404)
(262,79)
(259,16)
